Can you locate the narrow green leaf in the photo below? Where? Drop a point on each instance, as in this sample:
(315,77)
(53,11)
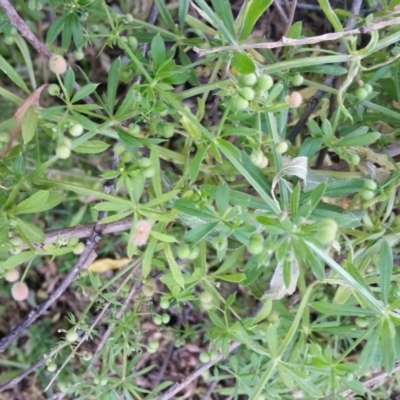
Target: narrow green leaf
(196,234)
(330,14)
(18,259)
(195,164)
(175,270)
(55,28)
(235,278)
(69,80)
(30,231)
(112,84)
(23,47)
(223,10)
(243,63)
(92,147)
(386,345)
(222,198)
(162,237)
(29,124)
(165,14)
(12,74)
(84,91)
(32,204)
(386,270)
(187,207)
(249,14)
(157,50)
(340,309)
(182,13)
(363,140)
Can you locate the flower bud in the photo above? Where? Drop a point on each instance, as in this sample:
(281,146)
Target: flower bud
(57,64)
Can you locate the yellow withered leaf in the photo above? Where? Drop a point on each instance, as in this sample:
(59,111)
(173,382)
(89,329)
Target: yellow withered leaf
(107,264)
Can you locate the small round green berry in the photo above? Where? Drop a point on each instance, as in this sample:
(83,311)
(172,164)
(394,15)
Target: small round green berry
(361,93)
(79,55)
(206,297)
(76,130)
(52,366)
(72,241)
(254,247)
(213,355)
(134,129)
(167,130)
(144,162)
(63,151)
(71,337)
(194,253)
(149,172)
(132,42)
(63,387)
(354,159)
(119,149)
(166,318)
(247,93)
(153,345)
(264,82)
(368,88)
(32,5)
(362,322)
(103,381)
(126,157)
(157,319)
(367,194)
(87,355)
(183,251)
(370,185)
(249,79)
(16,241)
(164,303)
(204,357)
(53,89)
(78,248)
(240,103)
(297,80)
(8,40)
(327,230)
(148,290)
(281,147)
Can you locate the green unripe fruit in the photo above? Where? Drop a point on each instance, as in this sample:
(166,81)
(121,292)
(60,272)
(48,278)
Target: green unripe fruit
(281,147)
(164,303)
(354,159)
(132,42)
(247,93)
(367,194)
(213,354)
(166,318)
(256,237)
(103,381)
(183,251)
(204,357)
(148,290)
(368,88)
(63,387)
(249,79)
(16,241)
(361,93)
(220,243)
(153,344)
(95,28)
(15,250)
(297,80)
(275,91)
(8,40)
(157,319)
(71,337)
(327,230)
(119,149)
(79,55)
(370,185)
(78,248)
(67,142)
(240,103)
(72,241)
(51,367)
(264,82)
(167,130)
(149,172)
(362,322)
(134,129)
(206,297)
(145,162)
(53,89)
(126,157)
(32,5)
(254,247)
(76,130)
(87,355)
(63,151)
(194,253)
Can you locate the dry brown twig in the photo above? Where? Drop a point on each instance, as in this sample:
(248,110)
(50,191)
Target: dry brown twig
(299,42)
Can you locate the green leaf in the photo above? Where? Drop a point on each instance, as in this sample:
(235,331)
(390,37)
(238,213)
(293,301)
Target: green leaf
(386,345)
(340,309)
(112,84)
(175,270)
(31,232)
(249,14)
(196,234)
(42,200)
(223,10)
(253,174)
(69,80)
(12,74)
(195,164)
(29,124)
(157,50)
(162,237)
(92,147)
(67,31)
(363,140)
(368,353)
(147,262)
(243,63)
(235,278)
(165,14)
(222,198)
(18,259)
(84,91)
(330,14)
(182,13)
(295,30)
(23,47)
(386,270)
(77,31)
(188,207)
(310,146)
(55,28)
